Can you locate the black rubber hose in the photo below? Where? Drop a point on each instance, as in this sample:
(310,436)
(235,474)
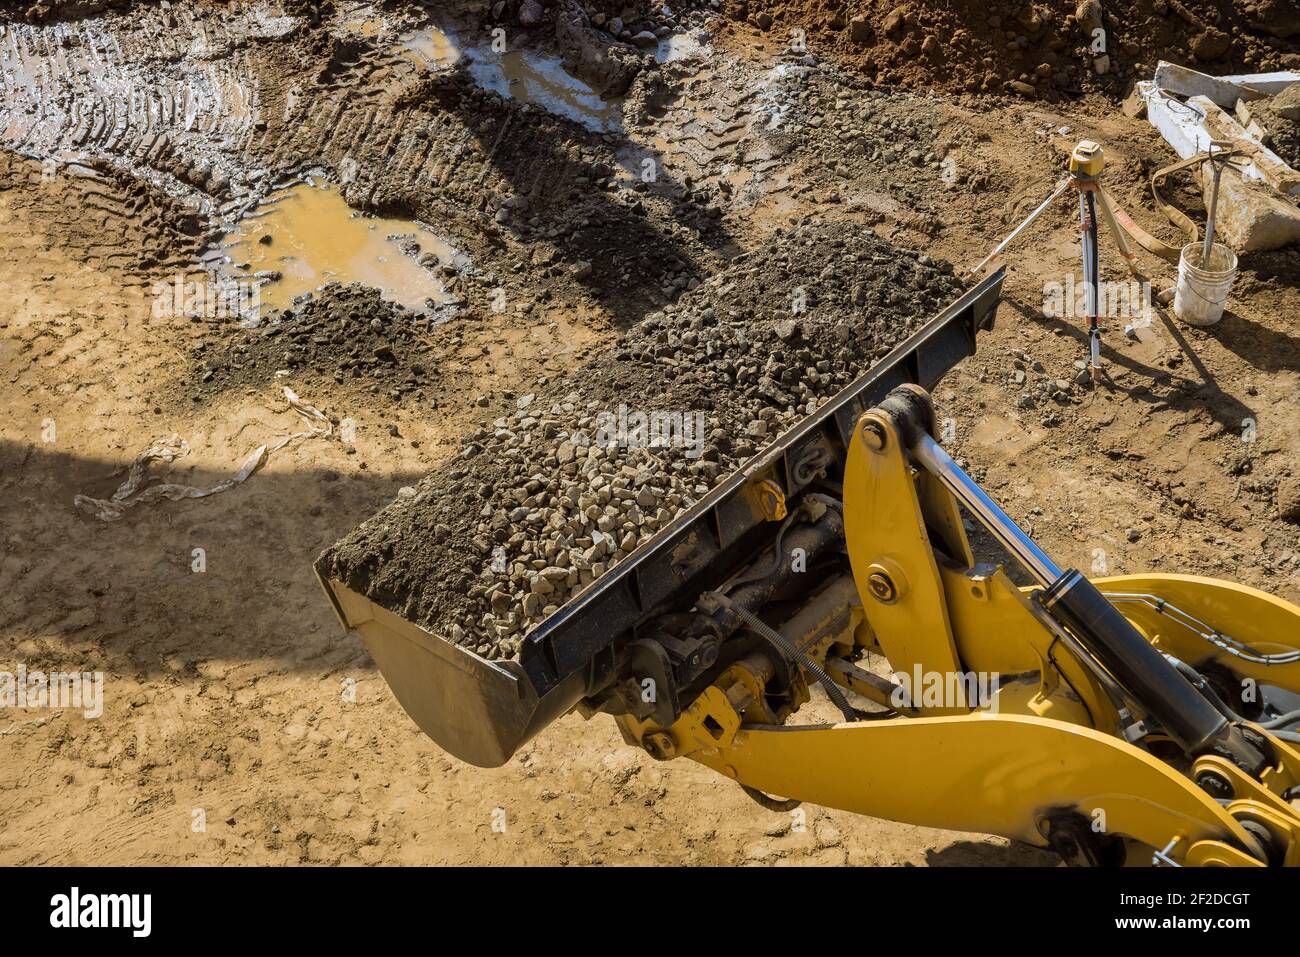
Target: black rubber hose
(1273,725)
(777,558)
(786,646)
(829,501)
(1203,686)
(1291,717)
(770,803)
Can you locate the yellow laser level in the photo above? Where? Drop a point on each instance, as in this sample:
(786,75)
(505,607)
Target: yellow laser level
(1087,159)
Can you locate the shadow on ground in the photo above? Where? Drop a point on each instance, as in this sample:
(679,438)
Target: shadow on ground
(1183,393)
(981,854)
(126,595)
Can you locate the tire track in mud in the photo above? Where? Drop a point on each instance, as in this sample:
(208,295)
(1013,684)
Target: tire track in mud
(81,250)
(446,152)
(107,215)
(707,139)
(145,91)
(215,109)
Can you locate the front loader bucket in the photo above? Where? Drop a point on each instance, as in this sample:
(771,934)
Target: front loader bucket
(481,711)
(478,710)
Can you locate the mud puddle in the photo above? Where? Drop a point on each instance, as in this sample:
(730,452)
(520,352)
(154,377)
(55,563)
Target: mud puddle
(306,236)
(528,76)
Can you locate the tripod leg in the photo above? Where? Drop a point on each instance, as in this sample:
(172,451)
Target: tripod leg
(1091,269)
(1061,187)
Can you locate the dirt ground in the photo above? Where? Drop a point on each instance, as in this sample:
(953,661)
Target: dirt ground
(240,725)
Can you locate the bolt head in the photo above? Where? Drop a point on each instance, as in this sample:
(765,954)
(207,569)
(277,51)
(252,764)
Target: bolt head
(881,587)
(659,745)
(873,434)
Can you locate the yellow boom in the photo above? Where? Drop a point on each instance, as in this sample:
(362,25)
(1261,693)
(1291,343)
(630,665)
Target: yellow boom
(1001,712)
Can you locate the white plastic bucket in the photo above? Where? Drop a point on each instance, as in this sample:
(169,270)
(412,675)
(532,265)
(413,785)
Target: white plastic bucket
(1203,288)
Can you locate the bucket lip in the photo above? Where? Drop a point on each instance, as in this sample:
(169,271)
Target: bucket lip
(1195,249)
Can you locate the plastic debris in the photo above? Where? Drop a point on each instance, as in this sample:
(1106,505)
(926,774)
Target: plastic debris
(130,494)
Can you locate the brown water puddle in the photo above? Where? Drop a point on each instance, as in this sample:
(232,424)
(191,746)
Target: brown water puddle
(316,238)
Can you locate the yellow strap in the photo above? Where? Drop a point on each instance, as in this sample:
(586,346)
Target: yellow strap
(1176,216)
(1173,214)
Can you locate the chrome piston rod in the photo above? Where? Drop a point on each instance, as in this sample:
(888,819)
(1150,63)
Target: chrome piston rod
(1109,638)
(1012,537)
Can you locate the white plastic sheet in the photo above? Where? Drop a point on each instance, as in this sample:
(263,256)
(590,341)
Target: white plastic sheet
(130,494)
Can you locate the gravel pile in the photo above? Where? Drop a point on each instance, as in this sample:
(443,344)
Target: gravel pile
(847,133)
(563,486)
(343,334)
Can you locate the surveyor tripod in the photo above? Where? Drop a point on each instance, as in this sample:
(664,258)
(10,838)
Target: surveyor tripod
(1086,163)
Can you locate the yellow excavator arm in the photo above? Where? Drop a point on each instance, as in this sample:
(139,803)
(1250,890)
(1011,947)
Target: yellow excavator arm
(1138,719)
(1134,719)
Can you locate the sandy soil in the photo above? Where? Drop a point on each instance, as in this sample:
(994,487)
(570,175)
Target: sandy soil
(241,726)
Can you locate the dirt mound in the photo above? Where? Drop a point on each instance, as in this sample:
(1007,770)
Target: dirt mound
(1279,116)
(342,334)
(564,487)
(1033,49)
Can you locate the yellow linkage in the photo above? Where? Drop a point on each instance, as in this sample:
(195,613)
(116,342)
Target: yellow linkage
(1048,741)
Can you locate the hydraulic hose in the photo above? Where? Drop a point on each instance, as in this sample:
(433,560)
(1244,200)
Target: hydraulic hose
(777,555)
(787,647)
(755,576)
(1274,726)
(1204,687)
(769,803)
(1281,721)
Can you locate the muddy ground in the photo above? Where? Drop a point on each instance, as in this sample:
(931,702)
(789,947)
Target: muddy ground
(1052,51)
(239,724)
